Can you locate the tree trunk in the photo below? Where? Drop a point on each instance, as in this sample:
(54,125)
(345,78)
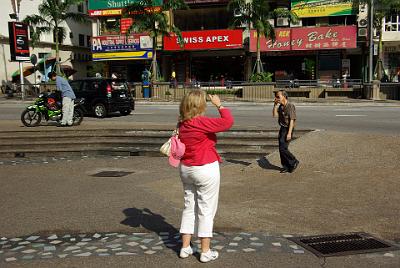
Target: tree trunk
(57,62)
(154,61)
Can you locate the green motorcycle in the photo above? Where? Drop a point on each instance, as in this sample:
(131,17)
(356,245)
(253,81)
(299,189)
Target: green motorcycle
(49,110)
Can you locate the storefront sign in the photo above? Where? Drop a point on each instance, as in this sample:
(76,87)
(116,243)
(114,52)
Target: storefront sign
(19,42)
(322,8)
(135,55)
(205,1)
(114,12)
(339,37)
(115,4)
(200,40)
(135,42)
(126,23)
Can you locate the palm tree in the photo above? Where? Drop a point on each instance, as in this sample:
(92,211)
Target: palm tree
(382,9)
(52,15)
(152,19)
(256,14)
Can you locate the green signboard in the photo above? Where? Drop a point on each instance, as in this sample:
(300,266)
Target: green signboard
(322,8)
(114,4)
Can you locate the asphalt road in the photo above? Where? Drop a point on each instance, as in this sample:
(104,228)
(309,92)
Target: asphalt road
(347,117)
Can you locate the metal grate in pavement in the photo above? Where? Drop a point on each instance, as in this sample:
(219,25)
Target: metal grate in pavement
(112,173)
(343,244)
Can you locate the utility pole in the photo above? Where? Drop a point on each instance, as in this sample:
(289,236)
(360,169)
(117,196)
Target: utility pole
(371,42)
(16,6)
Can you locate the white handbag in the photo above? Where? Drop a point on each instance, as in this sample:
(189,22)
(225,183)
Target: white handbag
(166,147)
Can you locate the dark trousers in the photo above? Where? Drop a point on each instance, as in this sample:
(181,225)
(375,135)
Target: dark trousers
(287,158)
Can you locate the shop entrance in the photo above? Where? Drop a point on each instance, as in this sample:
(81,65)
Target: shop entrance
(291,67)
(130,70)
(216,68)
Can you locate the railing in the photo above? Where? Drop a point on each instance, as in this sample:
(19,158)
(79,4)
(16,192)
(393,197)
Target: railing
(31,90)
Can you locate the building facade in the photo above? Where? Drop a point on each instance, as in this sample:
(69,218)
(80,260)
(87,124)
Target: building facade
(74,51)
(391,46)
(327,43)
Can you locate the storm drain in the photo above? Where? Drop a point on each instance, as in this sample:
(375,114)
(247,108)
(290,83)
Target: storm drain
(112,173)
(343,244)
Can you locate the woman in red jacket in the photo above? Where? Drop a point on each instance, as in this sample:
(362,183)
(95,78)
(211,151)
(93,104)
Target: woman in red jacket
(199,169)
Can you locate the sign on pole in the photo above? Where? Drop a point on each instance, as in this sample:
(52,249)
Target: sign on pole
(19,41)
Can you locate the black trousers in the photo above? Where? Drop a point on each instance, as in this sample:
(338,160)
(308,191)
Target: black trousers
(287,158)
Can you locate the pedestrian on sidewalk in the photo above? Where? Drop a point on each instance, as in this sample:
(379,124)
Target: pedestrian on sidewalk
(199,170)
(68,97)
(286,113)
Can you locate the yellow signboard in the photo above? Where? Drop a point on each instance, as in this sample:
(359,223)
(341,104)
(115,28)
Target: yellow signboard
(322,8)
(133,55)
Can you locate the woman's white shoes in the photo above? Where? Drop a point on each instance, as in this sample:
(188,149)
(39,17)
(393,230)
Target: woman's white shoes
(210,255)
(186,252)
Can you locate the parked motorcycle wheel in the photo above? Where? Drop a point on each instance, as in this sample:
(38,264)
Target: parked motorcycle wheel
(77,117)
(31,118)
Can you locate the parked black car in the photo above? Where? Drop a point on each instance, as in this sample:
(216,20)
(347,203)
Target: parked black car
(104,95)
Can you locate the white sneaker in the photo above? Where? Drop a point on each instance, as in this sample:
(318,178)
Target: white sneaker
(210,255)
(186,252)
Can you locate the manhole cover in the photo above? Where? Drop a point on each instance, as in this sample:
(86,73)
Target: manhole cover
(112,173)
(342,244)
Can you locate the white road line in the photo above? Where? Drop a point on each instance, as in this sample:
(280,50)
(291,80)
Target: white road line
(350,115)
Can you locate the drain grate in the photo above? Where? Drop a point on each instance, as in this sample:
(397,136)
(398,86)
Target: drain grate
(112,173)
(343,244)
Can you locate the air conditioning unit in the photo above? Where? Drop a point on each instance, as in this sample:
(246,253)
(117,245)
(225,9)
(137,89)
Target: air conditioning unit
(272,22)
(237,13)
(363,32)
(362,18)
(299,23)
(282,22)
(146,42)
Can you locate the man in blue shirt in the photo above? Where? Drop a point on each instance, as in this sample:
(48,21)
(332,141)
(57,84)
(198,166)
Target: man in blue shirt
(68,97)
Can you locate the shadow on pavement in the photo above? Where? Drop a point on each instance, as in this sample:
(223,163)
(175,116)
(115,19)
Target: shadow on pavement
(155,223)
(265,164)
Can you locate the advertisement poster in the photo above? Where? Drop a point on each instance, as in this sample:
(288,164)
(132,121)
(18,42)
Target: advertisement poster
(203,40)
(322,8)
(99,8)
(19,41)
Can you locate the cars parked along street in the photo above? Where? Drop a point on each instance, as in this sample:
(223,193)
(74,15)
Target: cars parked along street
(104,95)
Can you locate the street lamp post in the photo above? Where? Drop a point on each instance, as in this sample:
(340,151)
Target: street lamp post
(371,42)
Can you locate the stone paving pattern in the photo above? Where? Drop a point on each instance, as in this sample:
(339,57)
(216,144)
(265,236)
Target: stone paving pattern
(131,244)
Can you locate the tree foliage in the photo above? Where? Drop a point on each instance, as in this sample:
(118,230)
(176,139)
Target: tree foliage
(51,18)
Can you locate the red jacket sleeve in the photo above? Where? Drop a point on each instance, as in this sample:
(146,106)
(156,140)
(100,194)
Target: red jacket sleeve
(214,125)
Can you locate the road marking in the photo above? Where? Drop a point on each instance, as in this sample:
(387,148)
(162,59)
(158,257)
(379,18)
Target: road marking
(350,115)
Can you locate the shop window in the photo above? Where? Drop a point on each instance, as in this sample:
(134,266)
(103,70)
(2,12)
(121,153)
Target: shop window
(202,19)
(109,26)
(392,23)
(81,40)
(308,21)
(88,39)
(342,20)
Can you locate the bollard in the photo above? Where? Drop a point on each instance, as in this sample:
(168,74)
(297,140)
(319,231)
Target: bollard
(376,85)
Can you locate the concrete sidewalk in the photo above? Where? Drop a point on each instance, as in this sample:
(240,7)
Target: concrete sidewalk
(345,183)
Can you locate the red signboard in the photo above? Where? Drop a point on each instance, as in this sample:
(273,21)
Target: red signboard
(125,24)
(19,41)
(201,40)
(316,38)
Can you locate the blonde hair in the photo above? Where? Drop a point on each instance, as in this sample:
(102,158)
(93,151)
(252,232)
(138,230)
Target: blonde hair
(193,104)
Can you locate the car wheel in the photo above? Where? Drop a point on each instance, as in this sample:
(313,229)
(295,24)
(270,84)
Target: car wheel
(100,110)
(125,112)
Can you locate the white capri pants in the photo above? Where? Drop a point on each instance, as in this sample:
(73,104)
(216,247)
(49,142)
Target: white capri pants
(201,186)
(67,111)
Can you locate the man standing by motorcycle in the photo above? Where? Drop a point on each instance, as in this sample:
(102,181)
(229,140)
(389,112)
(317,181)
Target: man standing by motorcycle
(68,97)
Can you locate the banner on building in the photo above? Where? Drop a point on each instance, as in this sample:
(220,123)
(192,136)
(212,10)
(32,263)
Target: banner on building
(19,41)
(114,7)
(135,42)
(317,38)
(125,23)
(322,8)
(133,55)
(202,40)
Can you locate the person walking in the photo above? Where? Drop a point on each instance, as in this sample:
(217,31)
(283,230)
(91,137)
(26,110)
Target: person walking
(199,170)
(68,97)
(286,113)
